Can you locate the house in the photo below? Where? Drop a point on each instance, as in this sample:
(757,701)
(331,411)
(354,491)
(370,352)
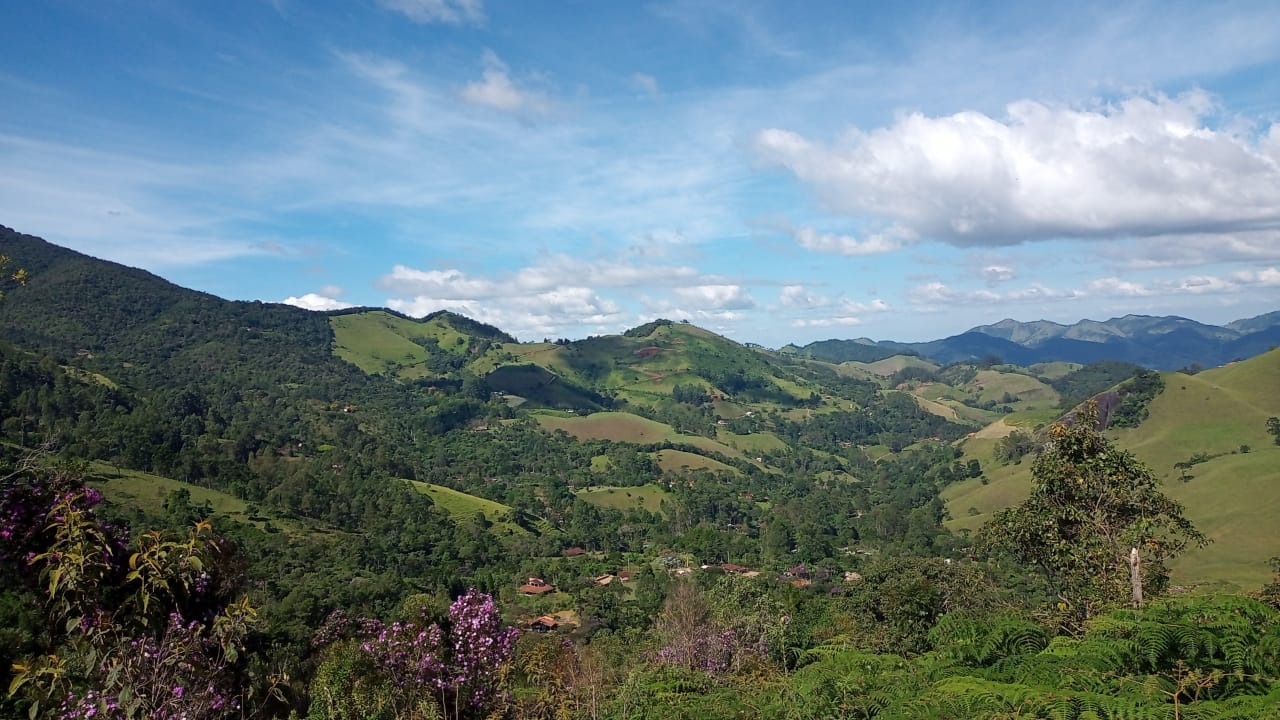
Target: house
(625,575)
(546,623)
(605,579)
(733,569)
(800,571)
(575,552)
(536,586)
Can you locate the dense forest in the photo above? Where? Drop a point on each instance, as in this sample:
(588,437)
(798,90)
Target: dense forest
(209,511)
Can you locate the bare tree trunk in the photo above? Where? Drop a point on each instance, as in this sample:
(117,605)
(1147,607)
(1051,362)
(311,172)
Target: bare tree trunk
(1135,576)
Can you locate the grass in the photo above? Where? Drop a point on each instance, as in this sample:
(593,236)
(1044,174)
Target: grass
(1233,497)
(626,427)
(753,443)
(379,342)
(148,492)
(679,460)
(1054,370)
(891,365)
(462,506)
(645,497)
(1030,392)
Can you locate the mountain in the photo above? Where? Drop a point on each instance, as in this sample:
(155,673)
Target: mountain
(1162,343)
(838,351)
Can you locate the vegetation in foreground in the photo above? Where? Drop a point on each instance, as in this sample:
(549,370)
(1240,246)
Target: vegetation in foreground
(338,541)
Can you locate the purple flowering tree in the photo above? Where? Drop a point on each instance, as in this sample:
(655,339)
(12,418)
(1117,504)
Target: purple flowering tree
(411,668)
(134,630)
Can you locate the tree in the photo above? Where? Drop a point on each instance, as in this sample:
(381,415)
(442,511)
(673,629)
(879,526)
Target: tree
(1091,506)
(18,276)
(1273,427)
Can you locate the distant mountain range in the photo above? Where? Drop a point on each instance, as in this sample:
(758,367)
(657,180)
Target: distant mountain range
(1161,343)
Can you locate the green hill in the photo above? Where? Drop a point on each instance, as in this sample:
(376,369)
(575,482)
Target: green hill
(1200,422)
(462,507)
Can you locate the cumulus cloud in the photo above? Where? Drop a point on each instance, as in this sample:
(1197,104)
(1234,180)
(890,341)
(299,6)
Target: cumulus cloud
(1146,166)
(316,301)
(452,12)
(874,244)
(998,274)
(1243,280)
(938,293)
(1194,250)
(798,296)
(558,294)
(495,89)
(549,273)
(824,311)
(537,314)
(717,297)
(838,321)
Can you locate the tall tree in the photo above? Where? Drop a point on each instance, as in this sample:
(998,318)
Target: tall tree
(1091,506)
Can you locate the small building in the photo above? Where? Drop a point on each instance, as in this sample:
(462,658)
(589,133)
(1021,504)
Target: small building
(536,586)
(575,552)
(546,623)
(733,569)
(625,575)
(605,579)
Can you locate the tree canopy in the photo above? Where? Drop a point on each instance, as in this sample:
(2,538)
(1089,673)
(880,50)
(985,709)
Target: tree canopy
(1091,505)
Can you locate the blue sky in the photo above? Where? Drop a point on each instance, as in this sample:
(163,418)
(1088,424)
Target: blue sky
(776,172)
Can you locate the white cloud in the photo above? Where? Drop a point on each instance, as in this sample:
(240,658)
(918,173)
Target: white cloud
(998,274)
(1115,287)
(529,316)
(1193,250)
(839,321)
(937,293)
(717,297)
(447,284)
(646,83)
(1237,282)
(453,12)
(316,301)
(551,272)
(495,89)
(1146,166)
(839,312)
(797,296)
(888,241)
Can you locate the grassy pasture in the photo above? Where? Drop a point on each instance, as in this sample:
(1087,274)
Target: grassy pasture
(891,365)
(625,427)
(1232,497)
(679,460)
(377,341)
(753,443)
(645,497)
(461,506)
(147,492)
(1030,392)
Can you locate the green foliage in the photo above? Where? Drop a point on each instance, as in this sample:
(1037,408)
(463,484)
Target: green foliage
(1091,504)
(1080,385)
(1013,447)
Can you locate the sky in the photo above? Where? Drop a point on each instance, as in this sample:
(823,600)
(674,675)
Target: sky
(774,171)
